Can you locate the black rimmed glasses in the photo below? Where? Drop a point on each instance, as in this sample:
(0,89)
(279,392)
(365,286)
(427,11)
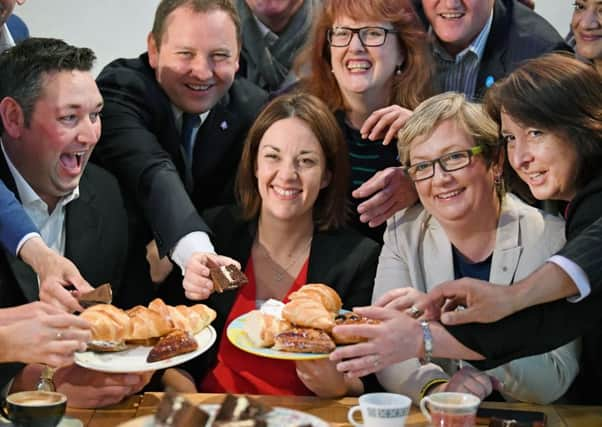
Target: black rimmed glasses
(449,162)
(369,36)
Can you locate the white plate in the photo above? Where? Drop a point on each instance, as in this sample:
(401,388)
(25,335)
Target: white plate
(277,417)
(134,359)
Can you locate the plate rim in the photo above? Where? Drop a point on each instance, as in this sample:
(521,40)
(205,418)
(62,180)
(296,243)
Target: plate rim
(153,366)
(261,352)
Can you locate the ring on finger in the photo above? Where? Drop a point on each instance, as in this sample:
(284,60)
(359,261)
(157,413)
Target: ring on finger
(415,311)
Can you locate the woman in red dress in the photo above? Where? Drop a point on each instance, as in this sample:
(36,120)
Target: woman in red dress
(287,230)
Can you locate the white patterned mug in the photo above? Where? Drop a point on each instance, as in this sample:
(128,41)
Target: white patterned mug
(381,410)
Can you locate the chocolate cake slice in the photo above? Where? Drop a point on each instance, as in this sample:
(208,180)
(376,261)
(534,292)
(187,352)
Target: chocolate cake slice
(101,295)
(241,411)
(177,411)
(227,277)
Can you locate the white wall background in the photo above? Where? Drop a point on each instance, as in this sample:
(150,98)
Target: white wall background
(118,28)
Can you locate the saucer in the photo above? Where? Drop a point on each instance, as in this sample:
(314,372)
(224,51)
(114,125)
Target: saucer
(65,422)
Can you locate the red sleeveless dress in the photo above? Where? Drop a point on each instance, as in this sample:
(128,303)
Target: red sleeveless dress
(237,371)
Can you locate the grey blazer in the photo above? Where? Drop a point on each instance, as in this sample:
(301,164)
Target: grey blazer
(417,253)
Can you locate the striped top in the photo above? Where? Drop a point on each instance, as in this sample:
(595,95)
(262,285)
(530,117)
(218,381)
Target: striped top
(459,73)
(366,158)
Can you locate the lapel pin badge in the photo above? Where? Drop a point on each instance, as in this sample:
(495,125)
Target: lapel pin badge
(223,125)
(489,81)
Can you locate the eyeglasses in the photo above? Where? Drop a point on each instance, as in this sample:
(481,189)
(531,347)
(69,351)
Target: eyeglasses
(369,36)
(449,162)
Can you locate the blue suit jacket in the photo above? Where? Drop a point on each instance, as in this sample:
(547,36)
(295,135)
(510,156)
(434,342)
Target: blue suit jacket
(18,29)
(14,222)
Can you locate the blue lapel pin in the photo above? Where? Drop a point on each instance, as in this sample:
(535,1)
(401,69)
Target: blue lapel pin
(223,125)
(489,81)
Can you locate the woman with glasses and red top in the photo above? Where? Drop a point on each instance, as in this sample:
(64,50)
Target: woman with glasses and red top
(466,226)
(369,61)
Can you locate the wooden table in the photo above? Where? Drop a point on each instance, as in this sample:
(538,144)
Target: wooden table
(332,410)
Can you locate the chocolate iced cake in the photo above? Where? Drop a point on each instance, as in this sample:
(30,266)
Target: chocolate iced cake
(227,277)
(241,411)
(177,411)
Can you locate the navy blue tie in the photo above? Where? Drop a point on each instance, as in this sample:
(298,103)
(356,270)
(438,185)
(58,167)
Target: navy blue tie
(189,123)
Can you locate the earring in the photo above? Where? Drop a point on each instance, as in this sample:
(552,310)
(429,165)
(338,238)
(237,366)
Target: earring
(497,180)
(398,70)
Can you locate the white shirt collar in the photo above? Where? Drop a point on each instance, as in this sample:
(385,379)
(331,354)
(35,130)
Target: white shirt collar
(6,39)
(477,46)
(27,195)
(177,114)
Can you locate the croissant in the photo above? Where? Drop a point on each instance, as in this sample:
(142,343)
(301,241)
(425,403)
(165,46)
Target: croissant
(108,322)
(192,319)
(309,313)
(319,292)
(147,323)
(261,328)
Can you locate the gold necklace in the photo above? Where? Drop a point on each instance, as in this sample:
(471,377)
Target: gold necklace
(281,272)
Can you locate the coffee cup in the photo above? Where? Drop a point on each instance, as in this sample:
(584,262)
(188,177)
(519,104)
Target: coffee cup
(381,410)
(34,408)
(449,409)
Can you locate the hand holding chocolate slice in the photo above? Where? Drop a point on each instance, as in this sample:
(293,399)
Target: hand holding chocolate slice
(226,277)
(103,294)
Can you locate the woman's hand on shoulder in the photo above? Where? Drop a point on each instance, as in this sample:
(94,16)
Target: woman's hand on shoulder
(388,191)
(384,123)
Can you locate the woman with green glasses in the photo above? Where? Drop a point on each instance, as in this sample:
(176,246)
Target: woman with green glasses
(466,226)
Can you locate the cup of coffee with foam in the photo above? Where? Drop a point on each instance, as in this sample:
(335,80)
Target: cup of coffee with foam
(34,408)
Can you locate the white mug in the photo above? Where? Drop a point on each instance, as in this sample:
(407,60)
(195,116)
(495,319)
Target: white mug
(381,410)
(449,409)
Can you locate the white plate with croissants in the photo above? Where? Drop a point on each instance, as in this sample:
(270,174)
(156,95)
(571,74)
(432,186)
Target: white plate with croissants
(146,338)
(301,329)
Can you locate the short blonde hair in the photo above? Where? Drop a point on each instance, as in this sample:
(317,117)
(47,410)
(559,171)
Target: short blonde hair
(469,116)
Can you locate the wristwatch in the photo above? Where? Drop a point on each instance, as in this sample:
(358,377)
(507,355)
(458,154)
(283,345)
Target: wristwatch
(428,342)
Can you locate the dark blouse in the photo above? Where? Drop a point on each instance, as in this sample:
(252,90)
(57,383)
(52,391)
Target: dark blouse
(366,158)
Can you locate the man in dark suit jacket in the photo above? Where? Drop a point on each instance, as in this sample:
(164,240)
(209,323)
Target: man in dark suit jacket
(188,72)
(484,52)
(50,108)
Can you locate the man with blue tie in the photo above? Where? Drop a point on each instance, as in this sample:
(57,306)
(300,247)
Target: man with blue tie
(189,70)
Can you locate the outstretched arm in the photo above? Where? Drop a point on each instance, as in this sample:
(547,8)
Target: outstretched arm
(55,273)
(398,337)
